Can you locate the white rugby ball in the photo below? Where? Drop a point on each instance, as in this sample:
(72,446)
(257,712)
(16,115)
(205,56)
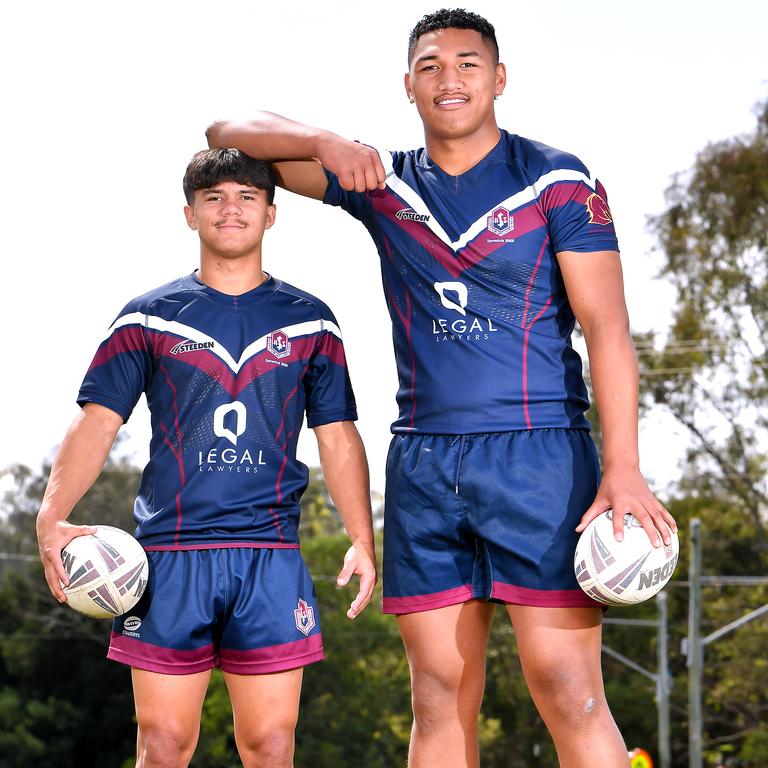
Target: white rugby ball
(107,571)
(622,572)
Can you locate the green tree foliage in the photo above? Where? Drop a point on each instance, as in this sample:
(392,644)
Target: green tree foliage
(712,372)
(59,696)
(735,704)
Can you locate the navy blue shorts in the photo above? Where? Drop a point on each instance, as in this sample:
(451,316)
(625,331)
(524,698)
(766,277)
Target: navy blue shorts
(486,516)
(248,610)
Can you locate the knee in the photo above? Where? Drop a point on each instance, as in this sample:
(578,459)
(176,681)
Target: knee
(567,696)
(164,746)
(441,696)
(269,748)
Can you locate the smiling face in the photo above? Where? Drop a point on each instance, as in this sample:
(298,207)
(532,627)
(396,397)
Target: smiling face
(453,79)
(230,219)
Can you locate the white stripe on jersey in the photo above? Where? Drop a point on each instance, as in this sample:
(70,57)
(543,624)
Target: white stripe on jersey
(188,332)
(400,188)
(527,195)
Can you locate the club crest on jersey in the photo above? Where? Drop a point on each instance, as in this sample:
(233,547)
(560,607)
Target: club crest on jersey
(501,221)
(598,210)
(410,215)
(190,346)
(279,344)
(305,617)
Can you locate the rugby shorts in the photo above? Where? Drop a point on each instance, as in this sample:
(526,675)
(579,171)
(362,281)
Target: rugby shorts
(247,610)
(489,516)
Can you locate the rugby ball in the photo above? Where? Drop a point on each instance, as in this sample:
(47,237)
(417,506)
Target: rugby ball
(107,571)
(622,572)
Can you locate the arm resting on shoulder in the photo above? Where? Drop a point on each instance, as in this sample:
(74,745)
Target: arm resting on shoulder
(345,469)
(78,462)
(595,289)
(299,153)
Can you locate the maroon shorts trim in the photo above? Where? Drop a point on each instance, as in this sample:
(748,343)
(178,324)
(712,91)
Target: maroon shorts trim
(542,598)
(155,658)
(277,658)
(171,661)
(417,603)
(508,594)
(223,545)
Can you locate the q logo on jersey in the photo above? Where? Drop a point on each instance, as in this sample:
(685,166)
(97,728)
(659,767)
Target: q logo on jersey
(598,210)
(219,428)
(461,296)
(230,460)
(455,295)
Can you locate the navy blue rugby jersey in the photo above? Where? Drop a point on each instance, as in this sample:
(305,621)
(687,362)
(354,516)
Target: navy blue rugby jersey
(481,320)
(228,380)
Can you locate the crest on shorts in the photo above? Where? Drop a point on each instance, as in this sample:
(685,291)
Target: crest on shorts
(305,617)
(279,344)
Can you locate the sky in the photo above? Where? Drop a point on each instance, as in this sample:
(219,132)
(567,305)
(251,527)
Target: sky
(105,103)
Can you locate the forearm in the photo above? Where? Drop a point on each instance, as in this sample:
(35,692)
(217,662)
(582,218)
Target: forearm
(268,136)
(77,465)
(614,373)
(299,153)
(78,461)
(345,469)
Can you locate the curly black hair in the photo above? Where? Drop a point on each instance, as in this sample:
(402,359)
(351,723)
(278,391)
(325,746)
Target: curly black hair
(456,18)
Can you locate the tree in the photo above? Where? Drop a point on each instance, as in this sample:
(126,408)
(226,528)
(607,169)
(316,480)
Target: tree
(712,372)
(711,375)
(60,699)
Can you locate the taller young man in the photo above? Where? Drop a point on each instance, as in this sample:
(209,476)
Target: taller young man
(491,245)
(230,359)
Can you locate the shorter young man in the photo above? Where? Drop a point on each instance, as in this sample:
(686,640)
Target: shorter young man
(230,359)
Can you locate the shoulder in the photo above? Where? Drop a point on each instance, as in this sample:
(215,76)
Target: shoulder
(395,161)
(540,159)
(176,291)
(316,308)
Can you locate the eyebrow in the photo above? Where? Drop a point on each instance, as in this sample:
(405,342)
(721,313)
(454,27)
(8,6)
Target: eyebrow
(459,55)
(243,188)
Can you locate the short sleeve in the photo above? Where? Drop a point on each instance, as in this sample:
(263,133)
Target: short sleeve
(328,390)
(354,203)
(121,368)
(578,216)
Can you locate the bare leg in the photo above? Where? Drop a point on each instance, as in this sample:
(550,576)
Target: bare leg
(446,653)
(560,656)
(266,708)
(168,714)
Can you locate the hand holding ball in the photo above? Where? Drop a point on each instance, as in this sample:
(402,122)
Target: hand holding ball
(622,572)
(107,571)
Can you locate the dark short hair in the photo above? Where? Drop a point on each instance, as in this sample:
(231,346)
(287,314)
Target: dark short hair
(456,18)
(210,167)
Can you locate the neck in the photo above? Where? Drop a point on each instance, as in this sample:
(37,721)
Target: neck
(231,275)
(456,155)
